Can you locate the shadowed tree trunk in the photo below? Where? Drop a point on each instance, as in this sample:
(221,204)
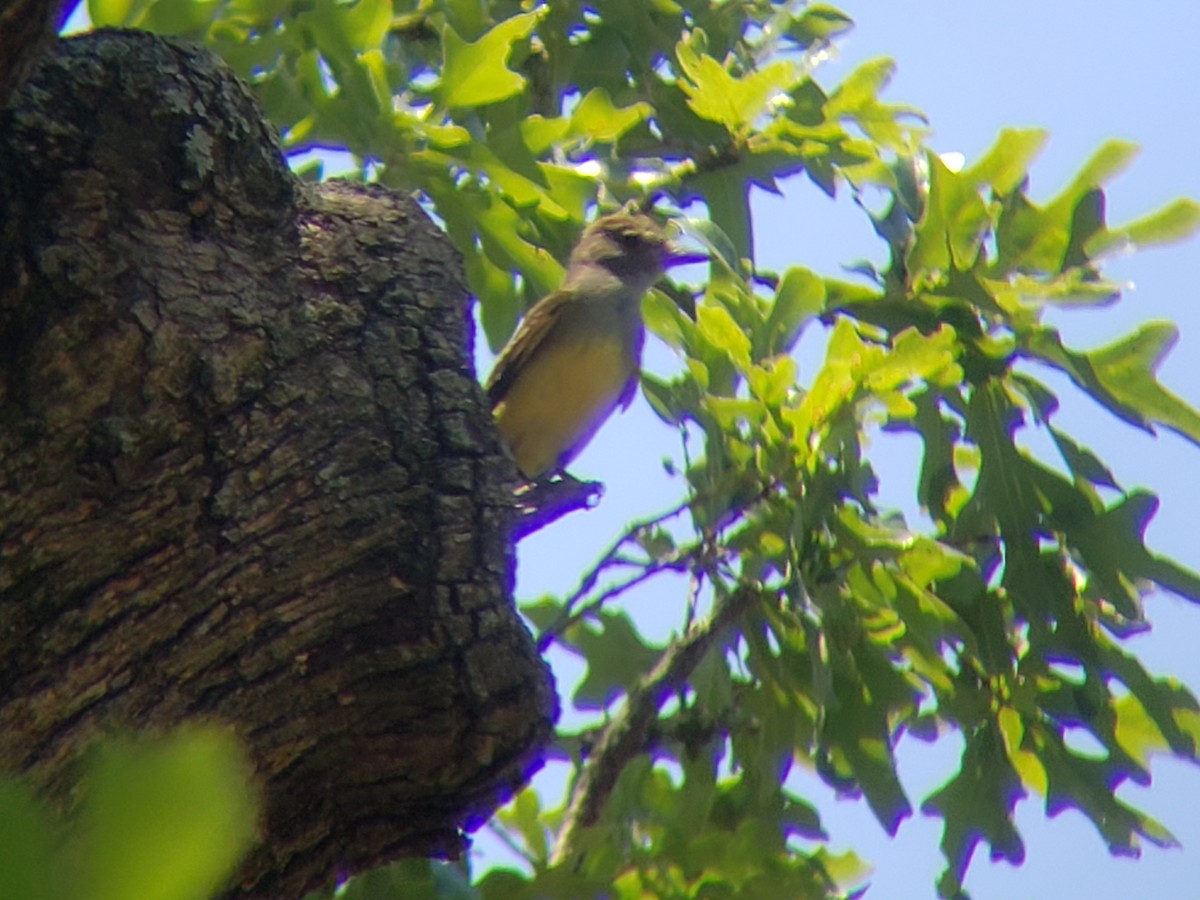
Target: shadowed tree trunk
(246,473)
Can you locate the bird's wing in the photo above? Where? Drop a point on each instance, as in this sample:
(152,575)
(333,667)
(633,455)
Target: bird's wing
(518,351)
(630,390)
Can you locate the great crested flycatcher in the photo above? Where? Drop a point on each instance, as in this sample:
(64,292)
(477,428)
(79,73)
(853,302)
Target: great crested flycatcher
(576,354)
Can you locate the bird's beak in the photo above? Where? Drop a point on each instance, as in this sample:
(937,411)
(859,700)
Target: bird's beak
(681,256)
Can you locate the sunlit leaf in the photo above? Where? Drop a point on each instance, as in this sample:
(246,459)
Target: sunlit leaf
(1122,376)
(798,299)
(716,94)
(117,12)
(475,73)
(956,217)
(597,119)
(723,332)
(1172,223)
(1005,165)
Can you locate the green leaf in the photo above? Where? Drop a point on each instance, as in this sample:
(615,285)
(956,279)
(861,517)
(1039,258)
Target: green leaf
(733,414)
(1175,222)
(524,815)
(916,357)
(723,332)
(856,730)
(665,399)
(1126,370)
(799,298)
(617,658)
(1121,376)
(1050,238)
(835,387)
(1086,785)
(728,198)
(167,819)
(412,879)
(938,479)
(506,884)
(543,611)
(956,218)
(190,18)
(522,189)
(28,870)
(1110,160)
(1113,546)
(476,73)
(1160,705)
(1004,494)
(664,318)
(1082,462)
(1005,165)
(818,24)
(861,87)
(721,248)
(977,804)
(597,119)
(366,22)
(500,308)
(1046,345)
(773,382)
(117,13)
(1135,730)
(712,682)
(469,17)
(1027,239)
(716,94)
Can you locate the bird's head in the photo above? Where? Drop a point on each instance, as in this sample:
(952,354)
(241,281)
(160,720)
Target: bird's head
(631,246)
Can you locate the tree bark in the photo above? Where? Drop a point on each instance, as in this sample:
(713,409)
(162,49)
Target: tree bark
(246,473)
(27,28)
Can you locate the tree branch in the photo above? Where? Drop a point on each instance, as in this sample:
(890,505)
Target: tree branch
(625,736)
(541,503)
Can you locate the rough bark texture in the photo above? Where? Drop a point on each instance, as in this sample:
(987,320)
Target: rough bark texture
(246,473)
(26,29)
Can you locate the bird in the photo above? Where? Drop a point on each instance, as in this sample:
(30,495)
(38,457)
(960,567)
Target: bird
(576,354)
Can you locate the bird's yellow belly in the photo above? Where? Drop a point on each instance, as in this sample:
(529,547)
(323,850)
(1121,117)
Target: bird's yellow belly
(562,396)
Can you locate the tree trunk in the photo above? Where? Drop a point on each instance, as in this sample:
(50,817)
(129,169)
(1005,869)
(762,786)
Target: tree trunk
(246,473)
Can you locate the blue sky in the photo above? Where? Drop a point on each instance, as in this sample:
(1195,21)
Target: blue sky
(1087,73)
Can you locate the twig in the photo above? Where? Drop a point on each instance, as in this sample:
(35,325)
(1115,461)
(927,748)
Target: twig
(694,585)
(625,735)
(611,557)
(567,618)
(509,841)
